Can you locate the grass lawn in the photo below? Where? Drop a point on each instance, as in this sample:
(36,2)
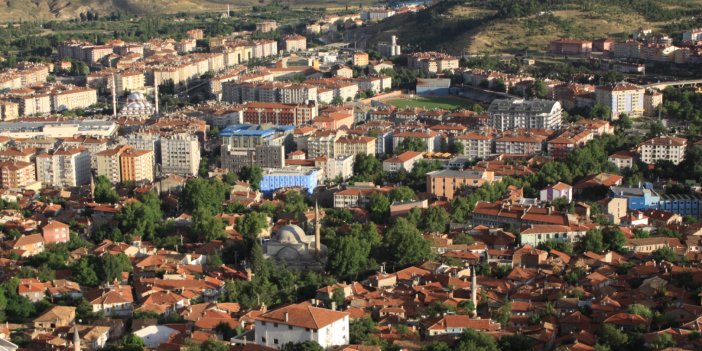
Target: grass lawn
(442,102)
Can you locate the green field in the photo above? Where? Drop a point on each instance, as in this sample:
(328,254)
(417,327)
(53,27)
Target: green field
(446,103)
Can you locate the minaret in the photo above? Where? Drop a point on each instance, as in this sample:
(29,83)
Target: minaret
(156,95)
(114,97)
(317,230)
(474,289)
(76,339)
(228,11)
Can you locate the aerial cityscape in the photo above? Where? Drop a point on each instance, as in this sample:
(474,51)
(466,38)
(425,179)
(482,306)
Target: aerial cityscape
(351,175)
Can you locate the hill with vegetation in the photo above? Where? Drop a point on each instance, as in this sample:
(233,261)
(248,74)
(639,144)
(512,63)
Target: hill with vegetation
(476,26)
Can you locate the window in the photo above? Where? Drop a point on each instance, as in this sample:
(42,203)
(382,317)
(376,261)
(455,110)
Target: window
(263,339)
(275,341)
(290,327)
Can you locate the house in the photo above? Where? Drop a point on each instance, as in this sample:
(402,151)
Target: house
(155,335)
(457,324)
(651,244)
(56,232)
(405,160)
(300,323)
(32,289)
(623,159)
(559,190)
(114,301)
(55,317)
(29,245)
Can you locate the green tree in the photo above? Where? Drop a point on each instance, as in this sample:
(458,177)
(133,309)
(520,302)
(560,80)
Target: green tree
(366,168)
(132,342)
(346,256)
(593,241)
(614,238)
(206,226)
(361,330)
(83,272)
(662,341)
(463,239)
(402,193)
(204,194)
(624,121)
(405,244)
(113,265)
(515,342)
(609,335)
(476,340)
(294,204)
(104,191)
(378,207)
(665,254)
(456,147)
(600,111)
(143,217)
(502,314)
(411,144)
(436,219)
(253,175)
(640,310)
(302,346)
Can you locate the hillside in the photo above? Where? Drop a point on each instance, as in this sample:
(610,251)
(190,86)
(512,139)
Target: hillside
(485,26)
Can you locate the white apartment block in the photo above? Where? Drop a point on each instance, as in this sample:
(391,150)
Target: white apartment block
(622,98)
(64,167)
(507,114)
(663,148)
(475,145)
(180,154)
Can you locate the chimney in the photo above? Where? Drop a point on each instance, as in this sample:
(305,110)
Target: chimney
(286,315)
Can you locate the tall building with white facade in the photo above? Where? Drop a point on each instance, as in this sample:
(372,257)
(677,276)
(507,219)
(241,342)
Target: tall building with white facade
(180,154)
(663,148)
(507,114)
(64,167)
(622,98)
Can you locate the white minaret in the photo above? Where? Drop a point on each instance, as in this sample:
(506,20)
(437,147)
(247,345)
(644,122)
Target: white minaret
(76,339)
(114,97)
(474,289)
(317,230)
(156,95)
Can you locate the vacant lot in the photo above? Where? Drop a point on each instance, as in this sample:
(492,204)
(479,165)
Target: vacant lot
(443,102)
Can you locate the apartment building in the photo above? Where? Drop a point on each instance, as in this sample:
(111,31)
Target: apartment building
(294,43)
(137,165)
(30,103)
(475,146)
(266,26)
(519,144)
(321,143)
(405,161)
(352,146)
(652,100)
(289,177)
(108,163)
(69,98)
(197,34)
(247,145)
(64,167)
(265,48)
(180,154)
(447,183)
(360,59)
(17,174)
(565,46)
(621,98)
(663,148)
(508,114)
(9,110)
(433,62)
(279,114)
(128,81)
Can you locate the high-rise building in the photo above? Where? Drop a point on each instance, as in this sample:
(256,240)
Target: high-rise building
(64,167)
(180,154)
(621,98)
(507,114)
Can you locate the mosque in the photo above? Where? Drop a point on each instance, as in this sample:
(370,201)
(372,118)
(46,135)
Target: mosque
(137,106)
(292,246)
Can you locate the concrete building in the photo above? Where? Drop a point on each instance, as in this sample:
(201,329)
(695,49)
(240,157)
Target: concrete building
(570,47)
(433,87)
(360,59)
(180,154)
(621,98)
(405,160)
(692,35)
(663,148)
(59,129)
(300,323)
(352,146)
(279,114)
(64,167)
(475,146)
(539,233)
(9,110)
(390,49)
(652,100)
(447,183)
(247,145)
(289,177)
(266,26)
(17,174)
(293,43)
(431,138)
(137,165)
(506,114)
(109,165)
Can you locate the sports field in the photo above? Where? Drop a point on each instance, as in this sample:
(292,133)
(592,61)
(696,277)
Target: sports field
(442,102)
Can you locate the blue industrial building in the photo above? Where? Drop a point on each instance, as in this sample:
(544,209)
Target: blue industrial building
(281,178)
(645,199)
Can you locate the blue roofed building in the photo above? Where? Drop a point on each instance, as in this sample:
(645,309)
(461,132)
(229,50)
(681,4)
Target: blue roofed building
(682,204)
(260,145)
(637,198)
(275,179)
